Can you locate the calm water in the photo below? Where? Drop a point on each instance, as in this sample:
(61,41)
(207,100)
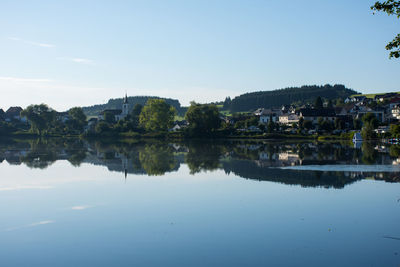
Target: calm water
(72,203)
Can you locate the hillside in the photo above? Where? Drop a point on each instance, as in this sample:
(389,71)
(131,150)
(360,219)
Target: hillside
(287,96)
(133,100)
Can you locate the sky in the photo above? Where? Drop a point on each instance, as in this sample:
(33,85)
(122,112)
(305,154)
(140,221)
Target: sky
(79,53)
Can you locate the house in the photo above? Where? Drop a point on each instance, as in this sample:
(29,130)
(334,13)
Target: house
(119,114)
(357,98)
(395,112)
(2,115)
(90,127)
(313,115)
(62,116)
(14,113)
(269,114)
(359,111)
(288,118)
(394,101)
(382,97)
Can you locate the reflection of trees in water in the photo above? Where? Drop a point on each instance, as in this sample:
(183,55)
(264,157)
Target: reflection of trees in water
(157,159)
(369,154)
(394,151)
(42,154)
(203,157)
(252,160)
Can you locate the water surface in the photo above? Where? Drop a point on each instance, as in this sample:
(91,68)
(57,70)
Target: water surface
(75,203)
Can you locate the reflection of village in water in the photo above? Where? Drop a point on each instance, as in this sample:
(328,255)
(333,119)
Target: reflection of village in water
(261,161)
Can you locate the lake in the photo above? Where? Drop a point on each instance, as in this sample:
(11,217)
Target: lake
(67,202)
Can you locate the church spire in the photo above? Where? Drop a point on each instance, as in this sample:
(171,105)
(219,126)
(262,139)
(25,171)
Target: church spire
(126,99)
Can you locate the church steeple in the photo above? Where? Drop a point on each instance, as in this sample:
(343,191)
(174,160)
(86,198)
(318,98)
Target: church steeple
(125,106)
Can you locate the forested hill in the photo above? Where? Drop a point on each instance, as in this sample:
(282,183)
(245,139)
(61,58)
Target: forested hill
(287,96)
(133,100)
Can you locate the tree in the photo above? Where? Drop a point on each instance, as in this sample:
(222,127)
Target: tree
(157,115)
(136,110)
(39,116)
(330,104)
(102,127)
(371,118)
(367,131)
(339,124)
(109,117)
(357,124)
(203,118)
(395,130)
(391,7)
(318,103)
(77,118)
(307,124)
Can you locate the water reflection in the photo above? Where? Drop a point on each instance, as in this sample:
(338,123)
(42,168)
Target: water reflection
(261,161)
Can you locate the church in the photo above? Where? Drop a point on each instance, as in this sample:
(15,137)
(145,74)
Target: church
(119,114)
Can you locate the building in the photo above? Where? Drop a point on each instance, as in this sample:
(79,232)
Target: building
(314,115)
(14,113)
(268,114)
(289,118)
(119,114)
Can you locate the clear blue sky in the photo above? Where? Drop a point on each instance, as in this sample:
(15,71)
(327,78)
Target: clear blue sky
(69,53)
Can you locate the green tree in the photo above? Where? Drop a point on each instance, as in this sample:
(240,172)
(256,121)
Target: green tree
(270,126)
(371,118)
(137,109)
(157,115)
(307,124)
(357,124)
(39,116)
(203,118)
(109,117)
(330,104)
(395,130)
(77,118)
(367,131)
(102,127)
(318,103)
(391,7)
(157,159)
(340,124)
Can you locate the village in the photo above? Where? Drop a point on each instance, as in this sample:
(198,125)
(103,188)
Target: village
(381,113)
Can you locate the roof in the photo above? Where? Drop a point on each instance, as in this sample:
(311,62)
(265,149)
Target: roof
(326,112)
(13,111)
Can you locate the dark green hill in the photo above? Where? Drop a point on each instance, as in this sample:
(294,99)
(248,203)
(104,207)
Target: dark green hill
(133,100)
(287,96)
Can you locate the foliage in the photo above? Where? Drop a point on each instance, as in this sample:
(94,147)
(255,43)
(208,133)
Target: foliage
(287,96)
(395,130)
(367,131)
(157,159)
(307,124)
(203,118)
(391,7)
(371,118)
(77,119)
(157,115)
(109,117)
(102,127)
(318,103)
(133,100)
(39,116)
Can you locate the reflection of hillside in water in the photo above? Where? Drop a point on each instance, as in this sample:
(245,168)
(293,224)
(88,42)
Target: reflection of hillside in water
(250,160)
